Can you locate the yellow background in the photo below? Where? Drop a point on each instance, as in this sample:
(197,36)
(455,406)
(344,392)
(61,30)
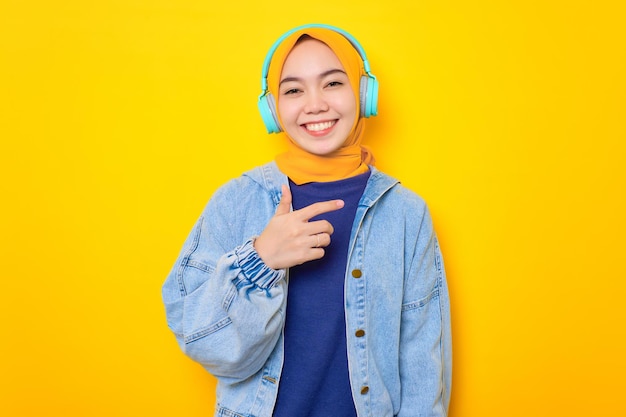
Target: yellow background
(119,118)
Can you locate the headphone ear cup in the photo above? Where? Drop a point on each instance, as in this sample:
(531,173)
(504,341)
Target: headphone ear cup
(363,96)
(373,96)
(267,107)
(368,96)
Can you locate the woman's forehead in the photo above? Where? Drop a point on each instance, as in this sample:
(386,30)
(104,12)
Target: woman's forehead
(312,54)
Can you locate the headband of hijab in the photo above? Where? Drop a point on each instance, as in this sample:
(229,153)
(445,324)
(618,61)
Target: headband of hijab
(352,158)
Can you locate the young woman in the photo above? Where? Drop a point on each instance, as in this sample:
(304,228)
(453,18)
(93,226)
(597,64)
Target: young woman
(314,285)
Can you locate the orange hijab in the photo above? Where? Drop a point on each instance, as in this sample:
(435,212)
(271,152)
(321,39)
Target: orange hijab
(352,158)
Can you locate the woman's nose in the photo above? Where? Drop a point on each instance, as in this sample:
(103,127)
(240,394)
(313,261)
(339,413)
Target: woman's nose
(315,102)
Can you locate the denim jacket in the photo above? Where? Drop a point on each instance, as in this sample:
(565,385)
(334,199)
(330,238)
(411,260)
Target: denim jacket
(227,308)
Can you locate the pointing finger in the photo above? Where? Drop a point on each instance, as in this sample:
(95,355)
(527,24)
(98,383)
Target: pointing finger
(316,209)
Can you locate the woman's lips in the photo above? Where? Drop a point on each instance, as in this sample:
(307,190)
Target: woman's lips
(319,127)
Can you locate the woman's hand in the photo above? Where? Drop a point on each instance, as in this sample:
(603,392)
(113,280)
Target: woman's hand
(290,239)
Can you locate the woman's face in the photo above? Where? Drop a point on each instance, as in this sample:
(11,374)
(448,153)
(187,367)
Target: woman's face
(316,104)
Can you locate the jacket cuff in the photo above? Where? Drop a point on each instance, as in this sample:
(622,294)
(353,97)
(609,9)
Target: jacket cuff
(253,270)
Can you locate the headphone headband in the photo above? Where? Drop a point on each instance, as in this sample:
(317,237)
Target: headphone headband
(350,38)
(368,93)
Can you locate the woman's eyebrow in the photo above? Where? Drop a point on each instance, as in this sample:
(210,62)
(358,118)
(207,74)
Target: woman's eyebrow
(322,75)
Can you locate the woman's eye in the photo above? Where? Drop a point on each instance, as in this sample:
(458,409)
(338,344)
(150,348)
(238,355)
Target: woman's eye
(335,83)
(291,91)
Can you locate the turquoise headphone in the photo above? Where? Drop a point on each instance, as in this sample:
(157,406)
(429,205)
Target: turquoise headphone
(368,87)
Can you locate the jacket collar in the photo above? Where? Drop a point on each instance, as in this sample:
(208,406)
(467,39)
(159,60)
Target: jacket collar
(271,178)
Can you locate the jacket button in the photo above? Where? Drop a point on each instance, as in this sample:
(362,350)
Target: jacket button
(356,273)
(365,389)
(359,333)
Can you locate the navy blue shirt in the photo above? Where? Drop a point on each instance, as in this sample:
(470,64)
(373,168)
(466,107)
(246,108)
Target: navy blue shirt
(314,380)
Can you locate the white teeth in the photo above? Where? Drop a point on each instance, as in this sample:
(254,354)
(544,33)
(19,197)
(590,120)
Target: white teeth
(316,127)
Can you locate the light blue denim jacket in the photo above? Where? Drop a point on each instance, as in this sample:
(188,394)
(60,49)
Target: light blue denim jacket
(227,308)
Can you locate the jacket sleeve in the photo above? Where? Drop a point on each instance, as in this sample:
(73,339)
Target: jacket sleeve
(224,305)
(425,336)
